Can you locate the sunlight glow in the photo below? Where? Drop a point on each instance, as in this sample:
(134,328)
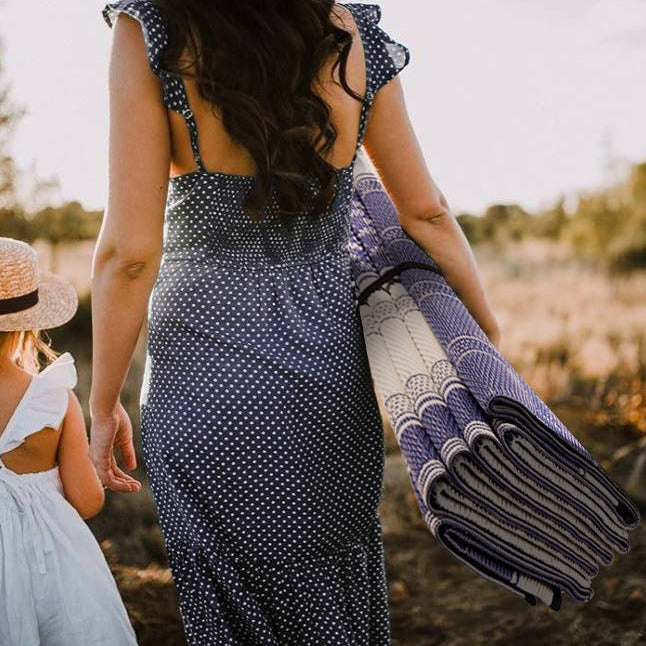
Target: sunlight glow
(513,101)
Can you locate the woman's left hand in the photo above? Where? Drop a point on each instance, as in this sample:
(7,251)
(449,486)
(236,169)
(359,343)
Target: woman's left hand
(107,433)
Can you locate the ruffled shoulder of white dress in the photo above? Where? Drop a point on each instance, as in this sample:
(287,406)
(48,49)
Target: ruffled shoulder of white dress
(44,404)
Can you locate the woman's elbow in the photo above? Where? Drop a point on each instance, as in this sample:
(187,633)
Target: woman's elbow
(127,260)
(436,213)
(434,228)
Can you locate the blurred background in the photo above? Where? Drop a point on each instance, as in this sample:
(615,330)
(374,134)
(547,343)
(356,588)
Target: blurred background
(532,119)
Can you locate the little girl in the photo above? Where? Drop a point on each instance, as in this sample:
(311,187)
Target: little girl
(55,586)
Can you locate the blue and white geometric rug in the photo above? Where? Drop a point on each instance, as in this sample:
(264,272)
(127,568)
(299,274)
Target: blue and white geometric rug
(501,483)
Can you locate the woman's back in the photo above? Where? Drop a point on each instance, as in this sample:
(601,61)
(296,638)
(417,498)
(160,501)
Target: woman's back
(192,128)
(221,153)
(261,432)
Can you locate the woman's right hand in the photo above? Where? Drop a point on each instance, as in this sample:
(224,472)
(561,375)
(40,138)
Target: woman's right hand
(110,431)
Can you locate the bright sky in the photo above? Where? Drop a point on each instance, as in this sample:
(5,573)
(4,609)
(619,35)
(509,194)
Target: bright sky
(513,100)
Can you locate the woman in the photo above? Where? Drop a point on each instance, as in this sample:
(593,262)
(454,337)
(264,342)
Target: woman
(261,432)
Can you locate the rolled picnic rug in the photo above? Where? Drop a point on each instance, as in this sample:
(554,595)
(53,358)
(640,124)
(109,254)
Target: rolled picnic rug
(500,481)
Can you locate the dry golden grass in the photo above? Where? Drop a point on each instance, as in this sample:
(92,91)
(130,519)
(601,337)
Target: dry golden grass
(74,261)
(570,329)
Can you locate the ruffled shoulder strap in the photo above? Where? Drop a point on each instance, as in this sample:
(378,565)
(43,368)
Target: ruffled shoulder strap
(384,56)
(152,26)
(155,34)
(43,405)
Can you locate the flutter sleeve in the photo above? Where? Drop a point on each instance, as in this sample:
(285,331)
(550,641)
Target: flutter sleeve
(44,404)
(385,57)
(152,27)
(155,35)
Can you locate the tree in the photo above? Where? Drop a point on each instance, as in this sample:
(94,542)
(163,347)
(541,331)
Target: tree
(505,222)
(13,222)
(628,250)
(472,227)
(551,223)
(9,116)
(67,223)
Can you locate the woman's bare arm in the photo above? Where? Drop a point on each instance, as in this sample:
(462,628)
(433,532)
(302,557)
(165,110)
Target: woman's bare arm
(424,212)
(128,251)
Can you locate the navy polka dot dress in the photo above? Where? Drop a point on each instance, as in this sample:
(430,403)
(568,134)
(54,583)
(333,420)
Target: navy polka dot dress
(261,431)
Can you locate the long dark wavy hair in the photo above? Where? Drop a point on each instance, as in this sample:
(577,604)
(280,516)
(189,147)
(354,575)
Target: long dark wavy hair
(256,61)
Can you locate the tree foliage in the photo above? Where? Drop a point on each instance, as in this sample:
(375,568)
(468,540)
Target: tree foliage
(9,116)
(610,225)
(607,227)
(66,223)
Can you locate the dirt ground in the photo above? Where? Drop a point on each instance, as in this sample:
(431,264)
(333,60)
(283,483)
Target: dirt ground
(435,600)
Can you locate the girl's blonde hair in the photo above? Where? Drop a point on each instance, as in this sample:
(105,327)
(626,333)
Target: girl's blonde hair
(28,347)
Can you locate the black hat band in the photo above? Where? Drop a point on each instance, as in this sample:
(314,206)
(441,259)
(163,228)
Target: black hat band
(18,303)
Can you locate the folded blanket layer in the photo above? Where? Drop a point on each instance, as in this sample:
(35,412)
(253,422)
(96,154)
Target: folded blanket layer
(500,481)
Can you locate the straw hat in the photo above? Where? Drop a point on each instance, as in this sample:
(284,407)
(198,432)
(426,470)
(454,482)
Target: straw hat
(31,299)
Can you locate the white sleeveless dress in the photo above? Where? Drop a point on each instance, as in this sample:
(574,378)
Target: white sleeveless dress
(55,586)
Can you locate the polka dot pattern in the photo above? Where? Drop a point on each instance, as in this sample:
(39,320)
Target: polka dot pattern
(261,431)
